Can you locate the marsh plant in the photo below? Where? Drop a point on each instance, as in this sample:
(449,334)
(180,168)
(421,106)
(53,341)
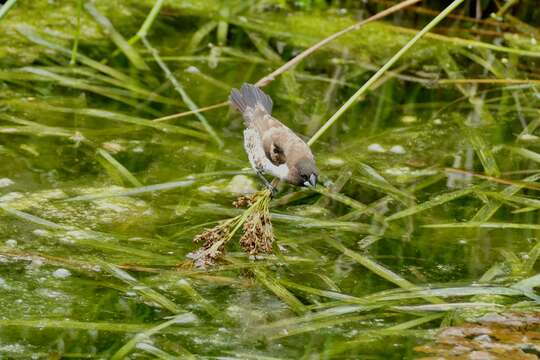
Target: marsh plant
(117,146)
(256,224)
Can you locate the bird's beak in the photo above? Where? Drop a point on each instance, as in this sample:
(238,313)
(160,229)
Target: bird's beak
(312,181)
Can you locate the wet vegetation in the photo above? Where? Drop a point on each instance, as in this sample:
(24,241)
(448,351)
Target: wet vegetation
(128,224)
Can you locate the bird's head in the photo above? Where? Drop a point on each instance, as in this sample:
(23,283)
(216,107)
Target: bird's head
(303,173)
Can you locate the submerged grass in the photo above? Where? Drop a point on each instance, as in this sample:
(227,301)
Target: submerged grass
(426,215)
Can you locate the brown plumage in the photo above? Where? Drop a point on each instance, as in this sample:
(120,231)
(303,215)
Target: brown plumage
(272,147)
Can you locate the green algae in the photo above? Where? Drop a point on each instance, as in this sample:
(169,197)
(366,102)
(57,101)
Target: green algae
(99,203)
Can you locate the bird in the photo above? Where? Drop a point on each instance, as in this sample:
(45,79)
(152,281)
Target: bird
(272,147)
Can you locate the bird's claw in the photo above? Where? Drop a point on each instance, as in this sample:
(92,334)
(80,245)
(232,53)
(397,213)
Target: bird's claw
(272,189)
(268,185)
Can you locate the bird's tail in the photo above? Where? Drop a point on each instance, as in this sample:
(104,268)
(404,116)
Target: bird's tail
(249,96)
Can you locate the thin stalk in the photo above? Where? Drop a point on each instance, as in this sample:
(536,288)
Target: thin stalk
(145,27)
(116,37)
(186,113)
(148,22)
(183,94)
(304,54)
(381,271)
(145,335)
(120,168)
(5,8)
(488,81)
(73,60)
(382,70)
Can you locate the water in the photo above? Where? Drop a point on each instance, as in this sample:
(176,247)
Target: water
(99,205)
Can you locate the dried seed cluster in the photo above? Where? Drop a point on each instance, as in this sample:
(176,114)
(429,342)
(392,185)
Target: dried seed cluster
(211,236)
(213,245)
(258,234)
(245,201)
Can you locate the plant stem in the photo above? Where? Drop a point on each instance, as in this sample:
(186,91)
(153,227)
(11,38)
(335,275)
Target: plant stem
(382,70)
(74,50)
(304,54)
(183,94)
(5,8)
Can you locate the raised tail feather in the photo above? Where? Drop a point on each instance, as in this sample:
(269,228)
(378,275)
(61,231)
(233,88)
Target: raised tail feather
(249,96)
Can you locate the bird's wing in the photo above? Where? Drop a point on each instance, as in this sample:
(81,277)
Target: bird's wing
(274,142)
(257,156)
(280,143)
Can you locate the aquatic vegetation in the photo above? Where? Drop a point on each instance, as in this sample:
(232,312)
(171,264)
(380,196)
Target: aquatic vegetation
(121,167)
(257,237)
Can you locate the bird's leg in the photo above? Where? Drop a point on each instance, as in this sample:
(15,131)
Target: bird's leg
(267,183)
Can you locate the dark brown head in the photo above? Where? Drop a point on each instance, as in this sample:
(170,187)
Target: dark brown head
(303,173)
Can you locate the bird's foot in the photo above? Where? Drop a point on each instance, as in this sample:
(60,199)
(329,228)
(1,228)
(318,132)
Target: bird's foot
(267,184)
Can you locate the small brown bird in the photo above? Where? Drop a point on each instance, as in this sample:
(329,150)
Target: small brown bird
(272,148)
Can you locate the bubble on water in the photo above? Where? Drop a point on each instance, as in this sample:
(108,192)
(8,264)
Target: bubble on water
(13,348)
(78,234)
(5,182)
(241,185)
(77,137)
(186,318)
(528,137)
(36,263)
(209,189)
(52,294)
(93,334)
(148,212)
(398,171)
(3,284)
(335,161)
(113,147)
(106,205)
(376,148)
(11,243)
(409,119)
(40,232)
(61,273)
(192,70)
(397,149)
(11,196)
(54,194)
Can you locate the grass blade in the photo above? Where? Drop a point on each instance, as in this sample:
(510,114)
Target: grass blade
(5,8)
(144,336)
(484,225)
(380,270)
(116,37)
(31,35)
(367,85)
(120,168)
(488,210)
(183,94)
(281,292)
(147,292)
(433,202)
